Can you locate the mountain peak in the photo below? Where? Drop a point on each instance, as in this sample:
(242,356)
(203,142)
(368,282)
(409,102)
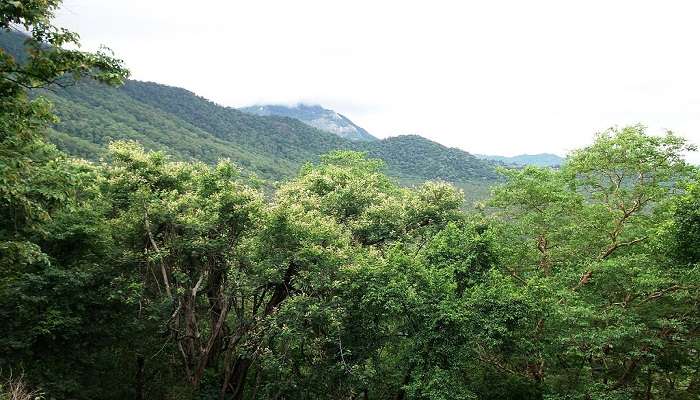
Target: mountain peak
(316,116)
(310,107)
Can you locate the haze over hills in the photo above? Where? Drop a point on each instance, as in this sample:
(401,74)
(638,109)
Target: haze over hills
(316,116)
(540,160)
(336,123)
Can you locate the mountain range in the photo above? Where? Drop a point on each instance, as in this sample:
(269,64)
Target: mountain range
(271,147)
(269,142)
(333,122)
(540,160)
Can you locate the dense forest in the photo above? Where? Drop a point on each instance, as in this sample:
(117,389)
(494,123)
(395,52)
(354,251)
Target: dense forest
(146,275)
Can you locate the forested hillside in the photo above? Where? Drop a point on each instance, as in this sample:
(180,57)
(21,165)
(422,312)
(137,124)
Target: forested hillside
(414,157)
(143,275)
(190,127)
(187,126)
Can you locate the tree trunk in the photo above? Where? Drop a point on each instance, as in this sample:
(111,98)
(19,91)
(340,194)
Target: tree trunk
(140,362)
(238,377)
(401,394)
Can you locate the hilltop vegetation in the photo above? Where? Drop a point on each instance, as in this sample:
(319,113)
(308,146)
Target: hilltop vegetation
(414,157)
(143,276)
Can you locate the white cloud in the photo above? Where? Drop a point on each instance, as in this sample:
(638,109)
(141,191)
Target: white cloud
(502,77)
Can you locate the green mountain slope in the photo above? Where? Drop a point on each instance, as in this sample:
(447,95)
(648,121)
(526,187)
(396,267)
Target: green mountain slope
(414,157)
(191,127)
(92,116)
(283,138)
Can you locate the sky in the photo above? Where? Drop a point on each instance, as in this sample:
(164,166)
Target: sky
(490,77)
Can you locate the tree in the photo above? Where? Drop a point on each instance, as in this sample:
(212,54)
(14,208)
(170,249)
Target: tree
(541,205)
(41,193)
(616,308)
(626,173)
(686,229)
(27,164)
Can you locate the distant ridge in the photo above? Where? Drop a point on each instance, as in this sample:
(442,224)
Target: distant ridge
(539,160)
(316,116)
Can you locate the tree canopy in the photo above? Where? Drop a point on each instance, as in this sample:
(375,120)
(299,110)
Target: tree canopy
(142,275)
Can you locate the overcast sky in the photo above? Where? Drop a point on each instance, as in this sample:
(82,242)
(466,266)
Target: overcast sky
(496,77)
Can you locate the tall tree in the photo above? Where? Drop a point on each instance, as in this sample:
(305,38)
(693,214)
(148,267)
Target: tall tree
(48,276)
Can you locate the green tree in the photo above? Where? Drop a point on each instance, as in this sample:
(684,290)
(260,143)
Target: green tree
(31,181)
(686,229)
(48,255)
(616,309)
(541,205)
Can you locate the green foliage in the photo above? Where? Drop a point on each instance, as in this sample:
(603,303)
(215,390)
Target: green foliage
(618,305)
(48,254)
(25,160)
(686,230)
(346,285)
(413,157)
(149,277)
